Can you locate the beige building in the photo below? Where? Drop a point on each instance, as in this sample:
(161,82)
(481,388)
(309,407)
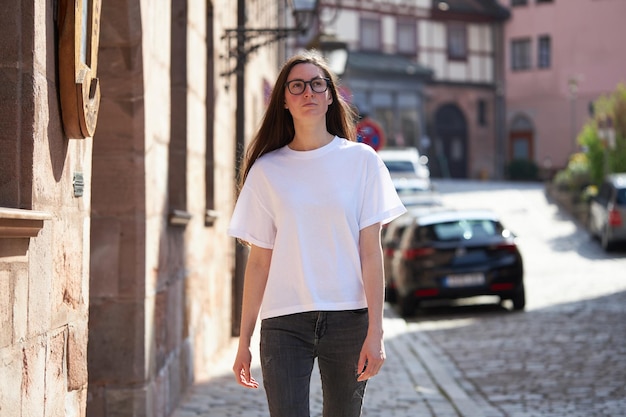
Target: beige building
(117,277)
(430,72)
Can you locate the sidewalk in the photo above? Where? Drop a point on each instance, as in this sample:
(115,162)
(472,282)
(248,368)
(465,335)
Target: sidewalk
(416,381)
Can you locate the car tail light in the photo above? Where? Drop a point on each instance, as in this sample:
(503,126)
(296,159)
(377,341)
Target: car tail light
(506,246)
(427,292)
(414,253)
(501,286)
(615,218)
(389,252)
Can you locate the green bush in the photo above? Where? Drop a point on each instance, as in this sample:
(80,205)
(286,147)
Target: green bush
(588,137)
(522,170)
(603,159)
(576,176)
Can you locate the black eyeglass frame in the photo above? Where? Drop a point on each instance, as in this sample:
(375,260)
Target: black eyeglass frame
(310,83)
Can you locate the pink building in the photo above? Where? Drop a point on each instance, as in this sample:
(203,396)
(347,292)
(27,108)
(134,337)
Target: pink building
(561,56)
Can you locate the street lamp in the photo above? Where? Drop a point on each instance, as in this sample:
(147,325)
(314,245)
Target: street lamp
(572,86)
(242,41)
(334,50)
(303,12)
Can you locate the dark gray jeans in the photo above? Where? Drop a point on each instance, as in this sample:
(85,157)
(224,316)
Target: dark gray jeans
(289,346)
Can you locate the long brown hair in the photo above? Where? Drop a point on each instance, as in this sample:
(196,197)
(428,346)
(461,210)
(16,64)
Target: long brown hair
(277,128)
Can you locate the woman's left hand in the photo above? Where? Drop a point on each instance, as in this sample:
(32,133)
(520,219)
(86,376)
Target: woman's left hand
(371,358)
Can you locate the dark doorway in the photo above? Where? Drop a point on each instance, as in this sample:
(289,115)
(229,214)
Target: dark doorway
(450,142)
(521,139)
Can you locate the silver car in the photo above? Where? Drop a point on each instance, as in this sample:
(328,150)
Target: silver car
(607,211)
(409,170)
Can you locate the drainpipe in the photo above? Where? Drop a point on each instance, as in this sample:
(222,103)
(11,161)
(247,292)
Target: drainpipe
(499,100)
(240,251)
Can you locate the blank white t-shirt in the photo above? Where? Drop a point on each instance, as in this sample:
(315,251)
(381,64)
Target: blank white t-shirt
(308,207)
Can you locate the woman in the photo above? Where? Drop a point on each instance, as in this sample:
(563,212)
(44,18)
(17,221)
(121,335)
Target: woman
(311,206)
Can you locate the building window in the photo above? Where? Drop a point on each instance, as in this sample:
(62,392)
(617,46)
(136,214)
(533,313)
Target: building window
(519,3)
(209,173)
(406,37)
(482,112)
(370,35)
(520,54)
(544,52)
(177,164)
(457,41)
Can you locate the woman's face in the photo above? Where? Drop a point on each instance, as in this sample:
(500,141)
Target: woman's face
(307,94)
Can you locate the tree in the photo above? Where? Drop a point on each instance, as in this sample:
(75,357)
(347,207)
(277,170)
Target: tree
(602,157)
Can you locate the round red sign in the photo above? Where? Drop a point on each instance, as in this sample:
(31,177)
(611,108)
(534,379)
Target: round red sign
(370,132)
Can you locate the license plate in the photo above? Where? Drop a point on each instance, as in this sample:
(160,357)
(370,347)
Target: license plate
(465,280)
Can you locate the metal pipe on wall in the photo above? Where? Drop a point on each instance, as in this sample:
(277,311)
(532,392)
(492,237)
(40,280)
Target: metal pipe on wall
(240,117)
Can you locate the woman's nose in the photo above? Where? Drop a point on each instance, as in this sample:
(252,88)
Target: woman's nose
(308,89)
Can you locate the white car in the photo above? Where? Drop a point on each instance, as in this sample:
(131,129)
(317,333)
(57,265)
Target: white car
(409,170)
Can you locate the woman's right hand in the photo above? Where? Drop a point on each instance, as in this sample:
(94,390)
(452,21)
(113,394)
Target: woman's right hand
(241,368)
(255,279)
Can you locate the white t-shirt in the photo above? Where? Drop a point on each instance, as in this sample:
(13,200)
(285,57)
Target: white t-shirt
(308,207)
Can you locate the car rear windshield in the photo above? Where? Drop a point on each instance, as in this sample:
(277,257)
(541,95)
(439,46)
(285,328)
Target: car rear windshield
(399,166)
(621,197)
(463,230)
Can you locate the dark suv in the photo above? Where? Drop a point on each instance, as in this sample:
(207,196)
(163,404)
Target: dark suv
(607,211)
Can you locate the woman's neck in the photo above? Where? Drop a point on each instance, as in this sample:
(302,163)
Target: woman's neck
(309,139)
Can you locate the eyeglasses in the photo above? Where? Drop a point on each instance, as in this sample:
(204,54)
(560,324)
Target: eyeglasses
(318,85)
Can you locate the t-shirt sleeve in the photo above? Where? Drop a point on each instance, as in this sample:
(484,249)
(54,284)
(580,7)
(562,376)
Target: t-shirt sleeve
(380,199)
(251,221)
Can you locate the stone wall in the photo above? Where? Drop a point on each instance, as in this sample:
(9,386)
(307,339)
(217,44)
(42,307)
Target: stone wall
(44,226)
(569,202)
(163,190)
(116,300)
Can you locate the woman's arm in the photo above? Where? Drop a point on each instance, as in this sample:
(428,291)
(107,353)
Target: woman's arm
(255,279)
(373,351)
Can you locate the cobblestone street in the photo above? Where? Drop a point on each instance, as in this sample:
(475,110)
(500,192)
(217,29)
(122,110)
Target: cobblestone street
(567,360)
(565,356)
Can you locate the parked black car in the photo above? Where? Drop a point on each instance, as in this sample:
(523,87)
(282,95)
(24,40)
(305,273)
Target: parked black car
(607,211)
(390,239)
(454,254)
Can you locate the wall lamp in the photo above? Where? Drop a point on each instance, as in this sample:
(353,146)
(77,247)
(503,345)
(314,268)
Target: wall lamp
(242,41)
